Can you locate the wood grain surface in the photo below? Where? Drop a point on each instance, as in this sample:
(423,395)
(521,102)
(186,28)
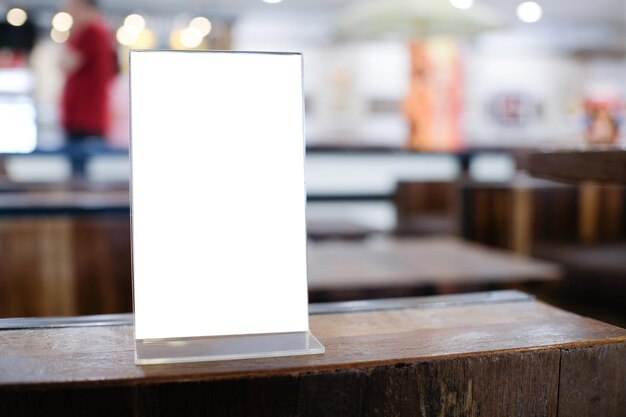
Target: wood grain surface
(521,358)
(589,384)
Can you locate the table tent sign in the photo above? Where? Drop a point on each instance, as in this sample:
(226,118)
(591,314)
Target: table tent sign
(218,206)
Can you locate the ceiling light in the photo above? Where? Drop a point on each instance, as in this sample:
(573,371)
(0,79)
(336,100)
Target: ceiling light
(529,12)
(16,17)
(462,4)
(62,21)
(272,1)
(134,23)
(202,24)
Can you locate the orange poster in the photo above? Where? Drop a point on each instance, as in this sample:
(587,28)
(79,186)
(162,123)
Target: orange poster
(434,102)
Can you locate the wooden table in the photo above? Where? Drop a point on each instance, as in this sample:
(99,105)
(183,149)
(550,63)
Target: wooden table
(337,229)
(438,264)
(487,354)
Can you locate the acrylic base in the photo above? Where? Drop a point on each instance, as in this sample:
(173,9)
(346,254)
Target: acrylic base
(215,348)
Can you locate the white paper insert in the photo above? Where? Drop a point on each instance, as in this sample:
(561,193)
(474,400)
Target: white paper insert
(218,194)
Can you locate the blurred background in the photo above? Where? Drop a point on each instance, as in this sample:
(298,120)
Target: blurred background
(420,116)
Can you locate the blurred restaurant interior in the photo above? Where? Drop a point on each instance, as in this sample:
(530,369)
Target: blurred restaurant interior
(421,119)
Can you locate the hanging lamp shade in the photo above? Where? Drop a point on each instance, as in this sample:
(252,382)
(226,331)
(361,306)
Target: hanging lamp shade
(413,19)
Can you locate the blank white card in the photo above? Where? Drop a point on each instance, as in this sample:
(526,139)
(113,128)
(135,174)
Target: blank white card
(218,193)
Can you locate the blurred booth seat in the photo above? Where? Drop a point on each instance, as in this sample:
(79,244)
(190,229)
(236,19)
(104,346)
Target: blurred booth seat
(524,213)
(579,226)
(426,207)
(64,252)
(595,262)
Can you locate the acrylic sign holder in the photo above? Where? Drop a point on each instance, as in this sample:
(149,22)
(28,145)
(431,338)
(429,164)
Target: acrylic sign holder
(218,206)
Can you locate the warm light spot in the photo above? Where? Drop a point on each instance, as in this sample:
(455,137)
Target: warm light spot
(202,24)
(134,23)
(16,17)
(62,21)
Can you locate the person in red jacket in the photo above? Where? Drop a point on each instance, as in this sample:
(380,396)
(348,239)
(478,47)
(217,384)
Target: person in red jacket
(89,62)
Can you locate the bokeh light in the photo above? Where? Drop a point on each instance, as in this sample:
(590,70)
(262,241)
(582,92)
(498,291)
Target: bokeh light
(134,23)
(62,21)
(16,16)
(529,12)
(202,24)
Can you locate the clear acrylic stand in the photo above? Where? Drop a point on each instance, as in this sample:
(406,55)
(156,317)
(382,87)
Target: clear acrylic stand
(214,348)
(213,279)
